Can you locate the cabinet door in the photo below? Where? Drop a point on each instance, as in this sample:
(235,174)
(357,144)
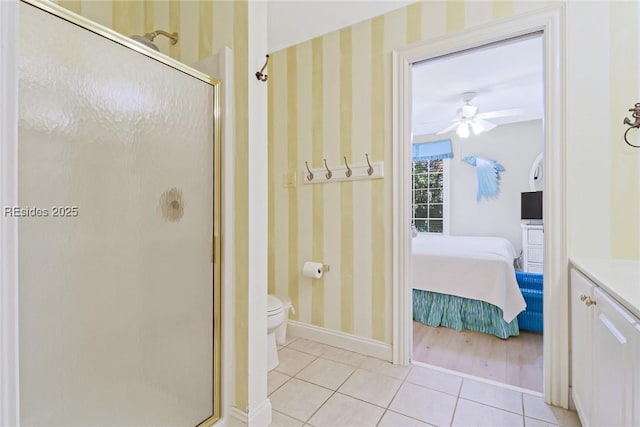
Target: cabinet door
(581,345)
(613,363)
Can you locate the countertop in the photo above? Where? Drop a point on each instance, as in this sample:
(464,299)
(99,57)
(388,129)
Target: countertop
(619,277)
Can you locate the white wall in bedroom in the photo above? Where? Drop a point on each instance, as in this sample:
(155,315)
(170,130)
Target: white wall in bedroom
(515,146)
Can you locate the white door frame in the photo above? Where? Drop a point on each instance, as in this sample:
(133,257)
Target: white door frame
(9,383)
(549,21)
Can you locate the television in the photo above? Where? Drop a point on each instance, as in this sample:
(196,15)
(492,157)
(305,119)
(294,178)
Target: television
(531,205)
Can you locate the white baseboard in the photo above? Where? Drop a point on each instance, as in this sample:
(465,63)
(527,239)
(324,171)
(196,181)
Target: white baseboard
(339,339)
(258,417)
(572,404)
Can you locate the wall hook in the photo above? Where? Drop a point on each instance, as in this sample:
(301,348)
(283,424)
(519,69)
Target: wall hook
(348,172)
(635,125)
(328,174)
(263,77)
(370,168)
(309,174)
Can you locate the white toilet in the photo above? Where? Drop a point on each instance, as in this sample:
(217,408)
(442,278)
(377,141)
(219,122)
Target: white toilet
(275,320)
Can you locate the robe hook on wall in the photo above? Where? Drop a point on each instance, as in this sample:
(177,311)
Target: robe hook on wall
(635,125)
(328,174)
(259,74)
(348,172)
(309,174)
(370,168)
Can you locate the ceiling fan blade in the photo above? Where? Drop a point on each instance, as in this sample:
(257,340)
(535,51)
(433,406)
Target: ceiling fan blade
(449,129)
(432,122)
(486,125)
(500,113)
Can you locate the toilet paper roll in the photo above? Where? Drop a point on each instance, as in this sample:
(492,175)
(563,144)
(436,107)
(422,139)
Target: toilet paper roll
(312,270)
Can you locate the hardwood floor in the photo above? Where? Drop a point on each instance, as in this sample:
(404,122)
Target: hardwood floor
(516,361)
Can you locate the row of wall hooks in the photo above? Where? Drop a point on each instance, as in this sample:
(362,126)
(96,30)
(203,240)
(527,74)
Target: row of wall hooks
(347,172)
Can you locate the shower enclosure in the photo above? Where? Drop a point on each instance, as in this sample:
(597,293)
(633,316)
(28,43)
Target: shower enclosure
(118,207)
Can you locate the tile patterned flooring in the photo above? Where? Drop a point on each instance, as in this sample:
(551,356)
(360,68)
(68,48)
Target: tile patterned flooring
(318,385)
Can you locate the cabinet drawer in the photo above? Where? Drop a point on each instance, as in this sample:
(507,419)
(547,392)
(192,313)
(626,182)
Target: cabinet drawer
(533,267)
(535,253)
(535,236)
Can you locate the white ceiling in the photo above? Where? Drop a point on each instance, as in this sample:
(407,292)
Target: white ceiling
(504,76)
(292,22)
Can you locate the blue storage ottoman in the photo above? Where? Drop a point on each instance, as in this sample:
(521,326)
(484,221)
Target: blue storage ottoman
(531,287)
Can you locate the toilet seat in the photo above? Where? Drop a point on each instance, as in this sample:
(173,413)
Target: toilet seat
(274,305)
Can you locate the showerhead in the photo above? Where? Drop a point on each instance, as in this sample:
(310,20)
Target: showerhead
(147,39)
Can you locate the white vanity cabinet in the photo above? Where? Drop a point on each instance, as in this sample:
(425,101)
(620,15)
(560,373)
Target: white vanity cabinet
(605,340)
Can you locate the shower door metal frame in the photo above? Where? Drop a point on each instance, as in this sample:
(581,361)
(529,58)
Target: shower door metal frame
(9,390)
(116,37)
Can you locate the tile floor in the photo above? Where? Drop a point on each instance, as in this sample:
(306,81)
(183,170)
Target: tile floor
(318,385)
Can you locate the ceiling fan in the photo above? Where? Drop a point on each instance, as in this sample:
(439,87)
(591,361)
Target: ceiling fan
(470,121)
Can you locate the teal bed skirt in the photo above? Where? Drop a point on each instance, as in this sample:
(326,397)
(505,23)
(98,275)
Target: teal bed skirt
(434,309)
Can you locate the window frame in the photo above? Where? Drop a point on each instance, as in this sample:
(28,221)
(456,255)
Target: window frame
(446,199)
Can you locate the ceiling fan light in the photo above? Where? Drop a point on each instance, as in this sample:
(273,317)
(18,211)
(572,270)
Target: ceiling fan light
(477,128)
(463,130)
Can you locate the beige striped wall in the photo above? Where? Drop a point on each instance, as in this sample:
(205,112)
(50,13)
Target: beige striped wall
(204,27)
(331,97)
(624,84)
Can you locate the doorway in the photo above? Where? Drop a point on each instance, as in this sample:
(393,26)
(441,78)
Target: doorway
(475,113)
(555,341)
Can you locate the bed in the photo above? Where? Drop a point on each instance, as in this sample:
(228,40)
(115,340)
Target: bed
(466,282)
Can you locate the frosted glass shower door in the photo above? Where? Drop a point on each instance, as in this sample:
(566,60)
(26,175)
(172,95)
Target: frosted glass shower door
(116,190)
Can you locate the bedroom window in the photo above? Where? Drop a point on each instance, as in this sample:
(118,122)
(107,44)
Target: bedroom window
(429,185)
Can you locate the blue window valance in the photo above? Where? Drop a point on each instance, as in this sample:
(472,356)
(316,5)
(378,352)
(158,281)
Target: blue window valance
(433,150)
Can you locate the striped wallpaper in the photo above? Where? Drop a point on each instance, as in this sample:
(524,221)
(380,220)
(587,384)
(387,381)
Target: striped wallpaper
(204,27)
(624,86)
(331,97)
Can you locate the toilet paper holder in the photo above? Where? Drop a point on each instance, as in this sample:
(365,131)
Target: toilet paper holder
(314,269)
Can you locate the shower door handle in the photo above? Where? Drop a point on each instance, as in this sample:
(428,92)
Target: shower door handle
(215,250)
